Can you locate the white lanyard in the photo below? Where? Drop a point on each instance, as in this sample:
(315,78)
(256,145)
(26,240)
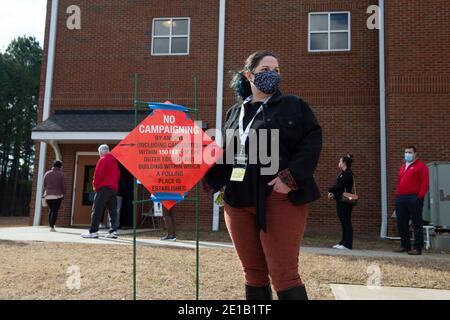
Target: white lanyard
(243,134)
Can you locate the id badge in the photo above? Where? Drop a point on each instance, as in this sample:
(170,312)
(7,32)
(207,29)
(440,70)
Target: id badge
(239,168)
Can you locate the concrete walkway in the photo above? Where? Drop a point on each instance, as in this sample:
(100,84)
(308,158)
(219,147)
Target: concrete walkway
(374,254)
(357,292)
(73,235)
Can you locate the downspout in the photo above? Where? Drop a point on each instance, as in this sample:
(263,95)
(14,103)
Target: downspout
(383,145)
(219,96)
(46,110)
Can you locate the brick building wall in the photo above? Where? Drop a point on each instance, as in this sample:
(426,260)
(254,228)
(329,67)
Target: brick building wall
(418,83)
(341,87)
(95,67)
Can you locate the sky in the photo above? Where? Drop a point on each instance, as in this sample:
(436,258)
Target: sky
(21,17)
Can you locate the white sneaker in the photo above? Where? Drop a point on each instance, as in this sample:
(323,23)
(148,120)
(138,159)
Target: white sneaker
(341,247)
(52,230)
(90,235)
(112,235)
(336,246)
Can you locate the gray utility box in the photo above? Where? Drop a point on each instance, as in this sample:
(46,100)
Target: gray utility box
(437,202)
(441,242)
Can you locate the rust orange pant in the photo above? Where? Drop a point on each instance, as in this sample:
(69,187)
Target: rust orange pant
(274,252)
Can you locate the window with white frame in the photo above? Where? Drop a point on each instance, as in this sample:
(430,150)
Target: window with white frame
(329,31)
(170,36)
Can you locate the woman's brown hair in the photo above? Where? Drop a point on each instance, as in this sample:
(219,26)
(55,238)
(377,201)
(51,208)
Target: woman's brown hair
(239,83)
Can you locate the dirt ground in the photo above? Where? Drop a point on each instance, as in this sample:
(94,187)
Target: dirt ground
(43,270)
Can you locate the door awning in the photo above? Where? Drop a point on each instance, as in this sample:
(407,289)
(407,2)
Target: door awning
(85,126)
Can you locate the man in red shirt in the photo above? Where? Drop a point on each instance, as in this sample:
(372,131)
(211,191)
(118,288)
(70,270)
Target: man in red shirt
(106,185)
(412,185)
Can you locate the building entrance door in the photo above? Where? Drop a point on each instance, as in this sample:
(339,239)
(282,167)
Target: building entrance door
(84,191)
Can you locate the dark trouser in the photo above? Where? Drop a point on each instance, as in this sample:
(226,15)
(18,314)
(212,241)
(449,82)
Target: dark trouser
(274,252)
(169,219)
(119,207)
(344,212)
(53,205)
(410,208)
(105,198)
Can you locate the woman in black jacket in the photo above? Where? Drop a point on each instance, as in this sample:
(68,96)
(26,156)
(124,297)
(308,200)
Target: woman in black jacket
(265,209)
(344,183)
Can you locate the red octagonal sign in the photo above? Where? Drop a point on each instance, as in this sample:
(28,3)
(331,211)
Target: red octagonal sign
(168,153)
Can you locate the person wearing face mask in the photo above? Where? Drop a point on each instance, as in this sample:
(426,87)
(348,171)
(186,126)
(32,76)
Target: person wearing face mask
(265,213)
(412,186)
(344,183)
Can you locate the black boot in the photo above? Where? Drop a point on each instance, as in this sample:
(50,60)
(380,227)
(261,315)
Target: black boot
(296,293)
(258,293)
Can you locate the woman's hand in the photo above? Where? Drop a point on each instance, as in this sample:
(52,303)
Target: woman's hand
(279,186)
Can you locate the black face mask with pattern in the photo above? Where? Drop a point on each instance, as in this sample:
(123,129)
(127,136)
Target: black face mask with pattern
(267,82)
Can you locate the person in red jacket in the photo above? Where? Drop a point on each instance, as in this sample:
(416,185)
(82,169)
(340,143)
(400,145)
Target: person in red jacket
(106,185)
(412,186)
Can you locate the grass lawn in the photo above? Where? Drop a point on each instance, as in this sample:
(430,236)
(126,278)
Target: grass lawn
(39,271)
(309,240)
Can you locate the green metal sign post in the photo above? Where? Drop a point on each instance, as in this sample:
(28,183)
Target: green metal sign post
(137,105)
